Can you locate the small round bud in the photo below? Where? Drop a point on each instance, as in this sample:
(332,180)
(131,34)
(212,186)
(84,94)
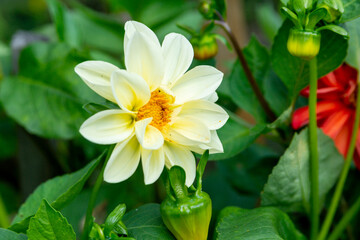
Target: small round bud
(206,9)
(303,44)
(205,47)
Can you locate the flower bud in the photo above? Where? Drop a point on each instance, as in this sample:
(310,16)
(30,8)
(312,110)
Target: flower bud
(186,212)
(205,47)
(303,44)
(206,9)
(188,218)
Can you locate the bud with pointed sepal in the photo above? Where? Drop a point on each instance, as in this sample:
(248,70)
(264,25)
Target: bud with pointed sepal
(186,212)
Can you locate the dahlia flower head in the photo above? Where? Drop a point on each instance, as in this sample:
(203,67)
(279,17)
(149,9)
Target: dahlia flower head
(335,109)
(165,112)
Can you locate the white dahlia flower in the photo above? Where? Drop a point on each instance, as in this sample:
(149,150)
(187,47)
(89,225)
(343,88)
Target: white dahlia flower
(165,112)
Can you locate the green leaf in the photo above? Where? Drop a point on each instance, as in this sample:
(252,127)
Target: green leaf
(293,71)
(335,28)
(114,218)
(268,19)
(248,172)
(59,191)
(242,94)
(351,10)
(39,107)
(98,30)
(47,92)
(288,186)
(256,224)
(85,27)
(6,234)
(235,136)
(63,20)
(275,93)
(353,57)
(145,223)
(8,141)
(49,224)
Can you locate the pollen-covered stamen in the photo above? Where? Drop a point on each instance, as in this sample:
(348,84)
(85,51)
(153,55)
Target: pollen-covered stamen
(159,108)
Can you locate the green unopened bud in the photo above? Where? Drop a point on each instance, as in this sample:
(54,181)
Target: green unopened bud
(205,47)
(188,218)
(206,9)
(334,9)
(186,212)
(303,44)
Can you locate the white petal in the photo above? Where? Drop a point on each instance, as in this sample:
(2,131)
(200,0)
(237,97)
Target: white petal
(176,155)
(215,145)
(130,90)
(108,127)
(153,162)
(211,114)
(188,131)
(197,83)
(149,137)
(212,97)
(97,74)
(145,58)
(178,55)
(123,161)
(132,26)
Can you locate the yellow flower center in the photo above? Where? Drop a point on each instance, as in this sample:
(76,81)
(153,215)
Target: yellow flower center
(159,108)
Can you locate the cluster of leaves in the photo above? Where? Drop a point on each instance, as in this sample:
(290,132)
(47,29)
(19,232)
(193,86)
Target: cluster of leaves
(42,99)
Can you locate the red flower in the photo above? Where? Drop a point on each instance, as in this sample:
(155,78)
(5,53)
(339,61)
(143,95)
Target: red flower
(335,111)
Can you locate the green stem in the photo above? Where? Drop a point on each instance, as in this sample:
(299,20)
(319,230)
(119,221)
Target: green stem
(4,218)
(345,220)
(92,201)
(340,185)
(314,162)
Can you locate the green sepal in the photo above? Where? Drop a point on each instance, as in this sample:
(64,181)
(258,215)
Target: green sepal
(187,29)
(335,28)
(335,9)
(120,228)
(113,221)
(93,108)
(200,170)
(96,232)
(223,40)
(177,178)
(292,16)
(300,6)
(314,17)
